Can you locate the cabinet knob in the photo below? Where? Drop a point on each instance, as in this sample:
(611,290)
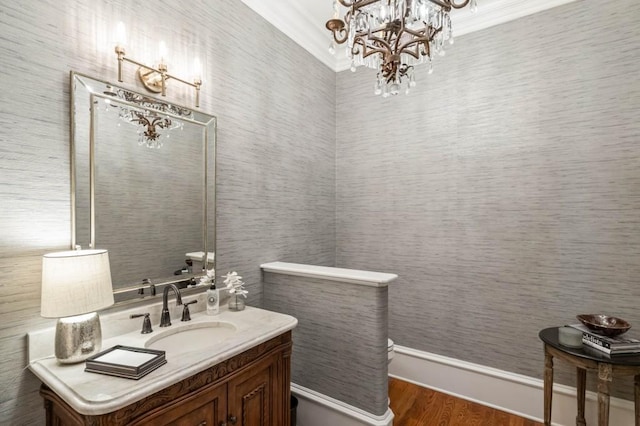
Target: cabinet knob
(233,420)
(223,423)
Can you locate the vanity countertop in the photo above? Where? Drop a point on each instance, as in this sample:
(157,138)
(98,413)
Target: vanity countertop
(95,394)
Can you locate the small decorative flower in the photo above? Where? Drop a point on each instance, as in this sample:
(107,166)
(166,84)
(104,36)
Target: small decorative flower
(209,278)
(234,284)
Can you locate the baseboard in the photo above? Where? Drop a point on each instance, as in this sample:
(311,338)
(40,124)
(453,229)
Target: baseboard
(510,392)
(316,409)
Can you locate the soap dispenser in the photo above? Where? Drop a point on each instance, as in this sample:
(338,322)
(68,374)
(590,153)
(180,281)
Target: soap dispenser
(213,300)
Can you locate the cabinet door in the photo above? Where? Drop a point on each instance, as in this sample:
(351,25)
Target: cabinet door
(250,396)
(207,408)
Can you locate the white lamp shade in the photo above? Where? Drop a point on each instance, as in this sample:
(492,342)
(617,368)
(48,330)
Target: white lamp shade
(75,282)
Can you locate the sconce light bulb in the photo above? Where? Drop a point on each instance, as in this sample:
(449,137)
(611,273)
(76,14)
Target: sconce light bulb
(162,50)
(197,69)
(121,34)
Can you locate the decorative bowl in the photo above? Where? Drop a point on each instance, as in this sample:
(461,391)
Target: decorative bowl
(604,324)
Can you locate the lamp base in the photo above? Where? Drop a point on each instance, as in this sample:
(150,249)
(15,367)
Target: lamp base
(77,338)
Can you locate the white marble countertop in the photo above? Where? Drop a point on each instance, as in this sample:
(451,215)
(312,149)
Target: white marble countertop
(95,394)
(353,276)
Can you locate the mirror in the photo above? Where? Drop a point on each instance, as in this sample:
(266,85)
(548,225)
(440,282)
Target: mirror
(143,179)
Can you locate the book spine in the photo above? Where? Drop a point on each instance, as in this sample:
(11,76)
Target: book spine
(595,345)
(625,351)
(595,340)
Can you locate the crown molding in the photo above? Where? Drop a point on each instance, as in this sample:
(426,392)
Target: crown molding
(491,13)
(303,21)
(299,20)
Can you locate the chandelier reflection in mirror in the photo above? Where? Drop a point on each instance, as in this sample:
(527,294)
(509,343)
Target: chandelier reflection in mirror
(148,119)
(393,36)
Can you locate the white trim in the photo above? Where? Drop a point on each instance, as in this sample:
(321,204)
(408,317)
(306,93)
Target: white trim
(498,12)
(316,409)
(353,276)
(503,390)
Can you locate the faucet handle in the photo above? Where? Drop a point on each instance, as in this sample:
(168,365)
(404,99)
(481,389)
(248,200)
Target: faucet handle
(146,322)
(186,316)
(152,287)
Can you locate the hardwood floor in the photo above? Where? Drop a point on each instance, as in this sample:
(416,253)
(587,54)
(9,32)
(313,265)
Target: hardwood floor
(417,406)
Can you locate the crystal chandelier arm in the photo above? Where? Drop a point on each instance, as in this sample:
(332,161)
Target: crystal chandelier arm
(427,33)
(338,30)
(406,48)
(398,31)
(340,35)
(448,4)
(338,27)
(416,38)
(357,4)
(370,50)
(460,5)
(380,29)
(419,38)
(362,37)
(343,37)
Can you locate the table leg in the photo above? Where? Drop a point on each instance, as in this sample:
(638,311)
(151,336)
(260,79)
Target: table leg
(636,397)
(604,388)
(581,375)
(548,386)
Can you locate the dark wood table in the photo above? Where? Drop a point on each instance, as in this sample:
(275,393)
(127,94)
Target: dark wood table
(586,358)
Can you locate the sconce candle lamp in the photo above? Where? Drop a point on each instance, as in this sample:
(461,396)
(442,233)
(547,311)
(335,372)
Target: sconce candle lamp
(153,78)
(76,284)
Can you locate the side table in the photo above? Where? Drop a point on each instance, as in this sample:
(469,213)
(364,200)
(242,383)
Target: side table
(586,358)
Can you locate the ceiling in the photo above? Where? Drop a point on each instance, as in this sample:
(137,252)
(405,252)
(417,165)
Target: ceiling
(304,21)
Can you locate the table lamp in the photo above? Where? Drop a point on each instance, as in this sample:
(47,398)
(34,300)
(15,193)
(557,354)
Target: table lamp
(75,284)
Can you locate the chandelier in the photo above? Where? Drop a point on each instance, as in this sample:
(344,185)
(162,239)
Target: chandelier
(393,36)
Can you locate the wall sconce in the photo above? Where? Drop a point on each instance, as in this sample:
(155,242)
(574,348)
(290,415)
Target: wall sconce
(153,78)
(75,284)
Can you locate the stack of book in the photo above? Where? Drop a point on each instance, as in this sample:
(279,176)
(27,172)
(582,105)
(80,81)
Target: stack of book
(126,361)
(616,345)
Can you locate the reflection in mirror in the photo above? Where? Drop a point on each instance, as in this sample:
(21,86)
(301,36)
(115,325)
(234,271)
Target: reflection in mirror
(143,180)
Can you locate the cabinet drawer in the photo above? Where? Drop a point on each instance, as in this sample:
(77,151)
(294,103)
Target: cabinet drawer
(206,408)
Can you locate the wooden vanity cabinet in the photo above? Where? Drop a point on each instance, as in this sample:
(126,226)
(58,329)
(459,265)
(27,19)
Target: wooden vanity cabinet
(250,389)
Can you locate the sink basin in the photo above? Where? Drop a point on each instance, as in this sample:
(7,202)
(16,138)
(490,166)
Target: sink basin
(191,337)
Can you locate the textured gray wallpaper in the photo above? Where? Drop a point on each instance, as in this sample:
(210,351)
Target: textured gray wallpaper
(340,343)
(505,189)
(276,176)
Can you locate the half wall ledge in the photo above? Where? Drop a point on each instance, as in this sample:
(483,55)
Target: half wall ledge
(353,276)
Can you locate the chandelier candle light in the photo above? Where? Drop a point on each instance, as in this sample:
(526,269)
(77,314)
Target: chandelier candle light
(393,36)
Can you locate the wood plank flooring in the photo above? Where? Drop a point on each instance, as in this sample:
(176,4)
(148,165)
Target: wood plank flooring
(417,406)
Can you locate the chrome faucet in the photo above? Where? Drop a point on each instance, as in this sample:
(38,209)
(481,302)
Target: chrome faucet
(165,318)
